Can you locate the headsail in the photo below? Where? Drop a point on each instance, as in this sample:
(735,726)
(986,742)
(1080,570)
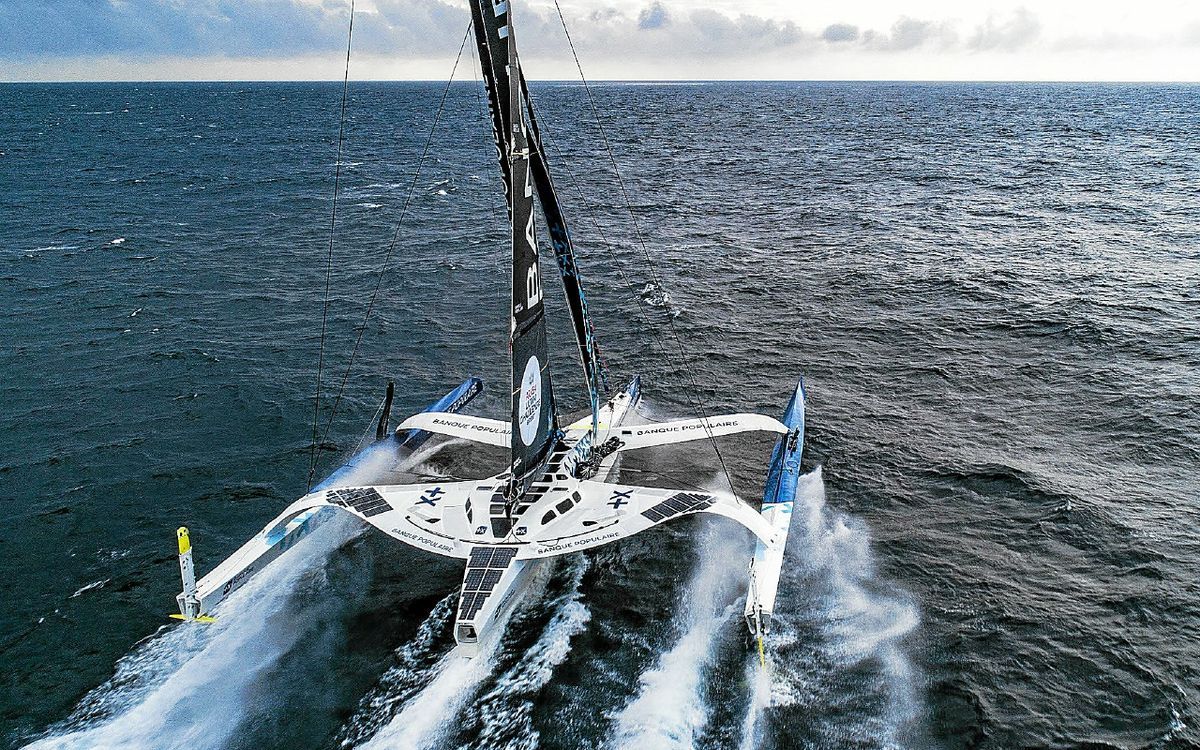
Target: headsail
(534,421)
(564,252)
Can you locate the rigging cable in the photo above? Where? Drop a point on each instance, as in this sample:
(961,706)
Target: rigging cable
(392,245)
(641,317)
(477,72)
(646,253)
(337,175)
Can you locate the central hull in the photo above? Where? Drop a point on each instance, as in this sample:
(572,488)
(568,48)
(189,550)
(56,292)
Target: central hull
(515,577)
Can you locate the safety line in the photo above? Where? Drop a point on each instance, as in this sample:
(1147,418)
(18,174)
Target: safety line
(392,246)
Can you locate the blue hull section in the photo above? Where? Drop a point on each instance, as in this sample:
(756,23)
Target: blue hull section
(785,459)
(410,440)
(778,497)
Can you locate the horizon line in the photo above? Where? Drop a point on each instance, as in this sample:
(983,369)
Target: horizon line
(1163,81)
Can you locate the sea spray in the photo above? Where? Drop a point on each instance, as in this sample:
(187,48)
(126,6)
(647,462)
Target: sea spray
(503,716)
(416,662)
(669,710)
(758,677)
(424,718)
(188,686)
(185,688)
(840,634)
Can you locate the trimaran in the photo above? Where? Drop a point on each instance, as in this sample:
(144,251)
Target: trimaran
(554,498)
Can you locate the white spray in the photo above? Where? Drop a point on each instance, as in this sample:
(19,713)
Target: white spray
(669,710)
(505,711)
(830,589)
(426,716)
(187,686)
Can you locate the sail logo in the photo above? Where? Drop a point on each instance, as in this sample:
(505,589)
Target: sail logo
(529,406)
(533,280)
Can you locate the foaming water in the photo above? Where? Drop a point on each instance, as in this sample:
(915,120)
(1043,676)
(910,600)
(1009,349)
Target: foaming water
(669,709)
(417,661)
(758,677)
(503,716)
(188,686)
(425,716)
(841,634)
(425,719)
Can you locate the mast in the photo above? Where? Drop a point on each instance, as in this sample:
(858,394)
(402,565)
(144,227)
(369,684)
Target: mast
(524,169)
(534,420)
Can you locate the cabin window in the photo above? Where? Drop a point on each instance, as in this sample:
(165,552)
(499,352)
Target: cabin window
(565,505)
(550,516)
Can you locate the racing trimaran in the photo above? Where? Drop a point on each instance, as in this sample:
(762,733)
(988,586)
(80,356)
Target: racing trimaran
(553,499)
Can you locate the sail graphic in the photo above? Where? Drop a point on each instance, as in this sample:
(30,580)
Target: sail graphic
(564,252)
(534,420)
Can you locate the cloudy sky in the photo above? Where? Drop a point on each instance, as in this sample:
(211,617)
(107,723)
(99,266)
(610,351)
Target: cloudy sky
(617,39)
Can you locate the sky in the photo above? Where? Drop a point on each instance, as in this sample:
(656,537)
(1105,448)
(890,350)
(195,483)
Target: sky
(1058,40)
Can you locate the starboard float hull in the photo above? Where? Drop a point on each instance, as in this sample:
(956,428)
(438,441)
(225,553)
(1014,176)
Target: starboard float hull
(779,497)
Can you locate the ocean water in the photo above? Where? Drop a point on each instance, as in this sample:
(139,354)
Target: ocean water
(992,291)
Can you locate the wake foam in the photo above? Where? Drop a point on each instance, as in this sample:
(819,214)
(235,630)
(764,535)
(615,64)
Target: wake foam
(186,687)
(840,634)
(838,674)
(193,686)
(423,700)
(670,709)
(503,716)
(416,664)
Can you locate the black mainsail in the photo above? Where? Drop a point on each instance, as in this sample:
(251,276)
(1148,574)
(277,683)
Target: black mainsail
(564,252)
(524,169)
(534,420)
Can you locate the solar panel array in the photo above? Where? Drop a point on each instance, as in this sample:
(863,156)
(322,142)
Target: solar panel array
(683,502)
(484,570)
(365,500)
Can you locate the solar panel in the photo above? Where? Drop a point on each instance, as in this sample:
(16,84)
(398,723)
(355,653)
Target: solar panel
(484,571)
(682,502)
(490,579)
(470,605)
(473,579)
(502,556)
(364,500)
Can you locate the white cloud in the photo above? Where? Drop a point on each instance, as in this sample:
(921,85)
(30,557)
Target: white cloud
(1010,34)
(941,39)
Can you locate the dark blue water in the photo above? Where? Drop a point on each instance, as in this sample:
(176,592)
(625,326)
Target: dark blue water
(993,292)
